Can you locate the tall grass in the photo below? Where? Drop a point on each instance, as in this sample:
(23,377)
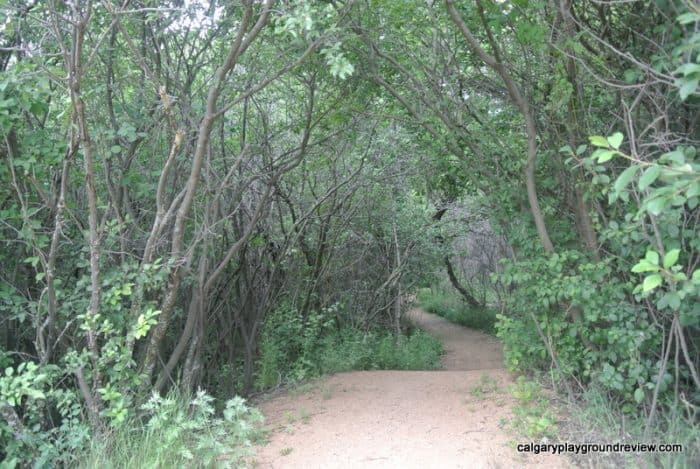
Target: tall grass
(594,418)
(454,309)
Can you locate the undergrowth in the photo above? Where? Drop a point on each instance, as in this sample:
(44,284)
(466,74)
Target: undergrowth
(533,413)
(454,309)
(594,418)
(178,432)
(591,417)
(294,349)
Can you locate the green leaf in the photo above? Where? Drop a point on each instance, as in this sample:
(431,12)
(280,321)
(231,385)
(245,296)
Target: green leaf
(689,17)
(674,301)
(688,69)
(645,266)
(656,205)
(631,75)
(603,155)
(615,140)
(651,282)
(652,257)
(598,141)
(696,276)
(35,394)
(624,178)
(671,257)
(676,156)
(687,87)
(115,149)
(649,176)
(639,395)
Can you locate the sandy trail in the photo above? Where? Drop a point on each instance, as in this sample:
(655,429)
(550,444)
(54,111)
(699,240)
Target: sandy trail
(450,418)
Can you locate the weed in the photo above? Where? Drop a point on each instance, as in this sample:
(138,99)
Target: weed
(326,393)
(301,388)
(294,350)
(487,385)
(533,416)
(179,432)
(594,417)
(289,417)
(286,451)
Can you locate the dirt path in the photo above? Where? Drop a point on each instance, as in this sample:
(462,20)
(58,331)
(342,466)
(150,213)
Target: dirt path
(403,419)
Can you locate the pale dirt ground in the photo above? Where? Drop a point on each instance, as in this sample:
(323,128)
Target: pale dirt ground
(403,419)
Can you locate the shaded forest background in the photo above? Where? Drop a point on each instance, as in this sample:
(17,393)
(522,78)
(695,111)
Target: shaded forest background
(214,195)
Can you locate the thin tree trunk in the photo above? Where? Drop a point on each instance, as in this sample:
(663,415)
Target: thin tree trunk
(203,138)
(516,96)
(73,59)
(584,223)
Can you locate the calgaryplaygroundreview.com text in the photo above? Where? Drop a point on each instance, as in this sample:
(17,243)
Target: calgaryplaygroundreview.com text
(585,448)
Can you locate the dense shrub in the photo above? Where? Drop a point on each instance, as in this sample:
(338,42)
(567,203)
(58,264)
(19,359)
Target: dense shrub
(179,433)
(294,349)
(166,432)
(51,429)
(574,310)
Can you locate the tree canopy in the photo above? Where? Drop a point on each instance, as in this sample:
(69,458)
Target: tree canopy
(184,178)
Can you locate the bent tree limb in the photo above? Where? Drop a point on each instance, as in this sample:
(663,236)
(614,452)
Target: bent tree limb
(466,294)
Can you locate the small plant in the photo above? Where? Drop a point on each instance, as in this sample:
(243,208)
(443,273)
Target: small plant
(286,451)
(326,393)
(533,417)
(487,385)
(290,418)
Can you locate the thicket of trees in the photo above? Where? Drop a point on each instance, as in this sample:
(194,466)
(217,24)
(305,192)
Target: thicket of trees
(177,172)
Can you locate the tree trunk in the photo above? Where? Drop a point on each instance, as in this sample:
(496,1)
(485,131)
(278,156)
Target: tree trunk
(466,294)
(516,96)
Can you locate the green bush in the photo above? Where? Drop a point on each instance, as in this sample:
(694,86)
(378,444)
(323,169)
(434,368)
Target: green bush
(453,308)
(419,351)
(169,432)
(532,415)
(605,345)
(179,433)
(30,395)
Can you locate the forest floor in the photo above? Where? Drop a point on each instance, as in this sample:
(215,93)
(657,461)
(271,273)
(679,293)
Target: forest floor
(450,418)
